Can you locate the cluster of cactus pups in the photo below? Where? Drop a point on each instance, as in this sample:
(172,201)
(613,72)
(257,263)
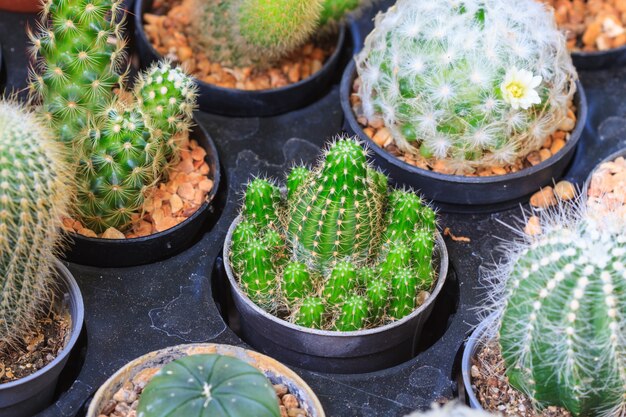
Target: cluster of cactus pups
(340,251)
(478,83)
(35,190)
(259,32)
(562,328)
(123,143)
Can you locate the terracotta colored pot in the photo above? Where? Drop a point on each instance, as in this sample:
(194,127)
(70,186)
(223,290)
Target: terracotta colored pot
(22,6)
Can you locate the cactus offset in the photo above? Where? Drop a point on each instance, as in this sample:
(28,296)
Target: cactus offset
(341,282)
(563,329)
(208,386)
(404,285)
(334,10)
(257,271)
(336,234)
(479,83)
(79,58)
(35,191)
(296,282)
(353,315)
(311,313)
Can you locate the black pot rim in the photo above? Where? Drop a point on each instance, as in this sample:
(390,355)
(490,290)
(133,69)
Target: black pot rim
(209,199)
(466,362)
(598,54)
(441,279)
(610,158)
(341,36)
(575,135)
(77,324)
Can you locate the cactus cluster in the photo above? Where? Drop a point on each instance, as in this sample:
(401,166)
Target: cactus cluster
(345,253)
(35,192)
(478,83)
(208,386)
(259,32)
(123,142)
(562,331)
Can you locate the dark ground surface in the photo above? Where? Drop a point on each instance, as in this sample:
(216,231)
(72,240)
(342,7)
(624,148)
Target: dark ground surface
(132,311)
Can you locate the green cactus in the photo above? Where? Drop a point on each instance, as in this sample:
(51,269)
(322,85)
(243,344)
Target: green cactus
(341,282)
(334,230)
(563,328)
(479,84)
(339,212)
(208,386)
(354,314)
(262,203)
(296,178)
(403,293)
(335,10)
(378,297)
(79,58)
(257,271)
(35,191)
(311,313)
(296,282)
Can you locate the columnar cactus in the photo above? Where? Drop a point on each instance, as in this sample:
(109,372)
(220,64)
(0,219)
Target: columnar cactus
(352,265)
(259,32)
(35,191)
(208,386)
(563,329)
(478,82)
(80,54)
(123,145)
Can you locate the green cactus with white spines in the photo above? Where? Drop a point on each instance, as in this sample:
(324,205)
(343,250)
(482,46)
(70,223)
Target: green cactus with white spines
(338,210)
(404,288)
(560,299)
(257,271)
(260,32)
(208,386)
(311,313)
(477,83)
(354,314)
(35,192)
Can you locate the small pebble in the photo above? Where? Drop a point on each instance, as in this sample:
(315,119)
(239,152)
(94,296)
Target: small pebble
(533,227)
(113,233)
(565,190)
(543,198)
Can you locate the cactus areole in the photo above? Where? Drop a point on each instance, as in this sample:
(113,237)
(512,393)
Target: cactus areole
(563,331)
(208,386)
(328,256)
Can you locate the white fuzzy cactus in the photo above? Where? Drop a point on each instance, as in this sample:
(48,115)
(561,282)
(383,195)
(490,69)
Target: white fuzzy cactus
(562,326)
(475,82)
(452,409)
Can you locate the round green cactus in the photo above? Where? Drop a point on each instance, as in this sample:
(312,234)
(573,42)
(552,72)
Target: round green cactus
(341,282)
(35,192)
(296,282)
(334,11)
(563,329)
(354,314)
(208,386)
(404,286)
(477,83)
(311,313)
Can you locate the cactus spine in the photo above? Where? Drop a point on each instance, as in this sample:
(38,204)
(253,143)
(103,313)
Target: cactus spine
(478,83)
(208,386)
(35,192)
(344,251)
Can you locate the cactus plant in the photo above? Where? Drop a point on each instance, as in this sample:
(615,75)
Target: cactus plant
(208,386)
(259,32)
(478,83)
(35,190)
(562,329)
(452,409)
(345,252)
(123,145)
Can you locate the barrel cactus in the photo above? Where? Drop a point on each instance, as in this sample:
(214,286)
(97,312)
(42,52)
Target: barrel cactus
(478,83)
(260,32)
(208,386)
(35,190)
(563,327)
(347,238)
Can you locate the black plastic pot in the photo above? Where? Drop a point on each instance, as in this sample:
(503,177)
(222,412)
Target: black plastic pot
(474,342)
(116,253)
(610,158)
(241,103)
(29,395)
(597,60)
(456,192)
(333,351)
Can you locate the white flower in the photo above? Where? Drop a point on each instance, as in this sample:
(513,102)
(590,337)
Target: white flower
(518,88)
